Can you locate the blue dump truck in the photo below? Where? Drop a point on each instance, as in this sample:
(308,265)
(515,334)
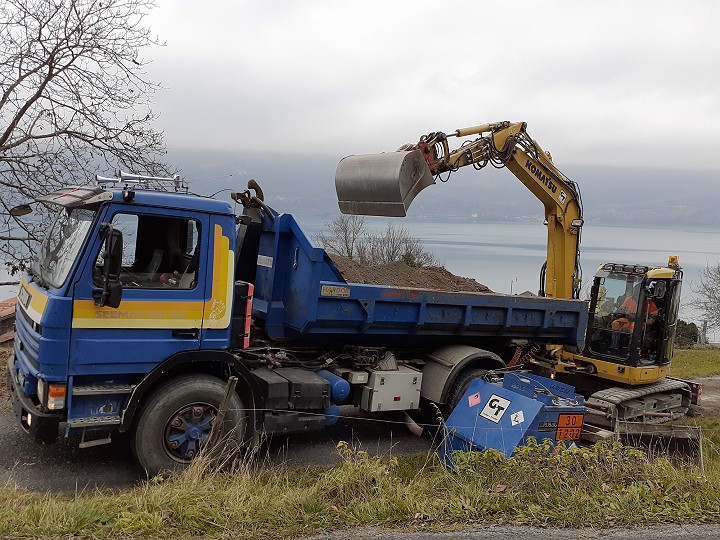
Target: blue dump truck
(141,304)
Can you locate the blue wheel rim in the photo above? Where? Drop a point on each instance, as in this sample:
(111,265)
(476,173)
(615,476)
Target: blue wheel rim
(188,430)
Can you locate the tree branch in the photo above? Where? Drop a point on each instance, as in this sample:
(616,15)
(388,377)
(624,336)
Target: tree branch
(70,85)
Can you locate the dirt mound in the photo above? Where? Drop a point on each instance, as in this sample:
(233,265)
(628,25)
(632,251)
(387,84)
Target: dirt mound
(399,274)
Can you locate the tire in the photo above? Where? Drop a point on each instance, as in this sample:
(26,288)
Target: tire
(459,387)
(176,419)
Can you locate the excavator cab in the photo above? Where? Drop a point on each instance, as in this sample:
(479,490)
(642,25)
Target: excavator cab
(633,314)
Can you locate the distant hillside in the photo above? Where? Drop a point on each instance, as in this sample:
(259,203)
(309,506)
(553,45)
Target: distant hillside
(304,185)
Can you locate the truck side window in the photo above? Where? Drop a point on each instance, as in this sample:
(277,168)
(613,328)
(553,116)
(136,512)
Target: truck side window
(158,252)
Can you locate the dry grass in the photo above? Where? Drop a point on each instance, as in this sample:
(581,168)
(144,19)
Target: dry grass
(598,487)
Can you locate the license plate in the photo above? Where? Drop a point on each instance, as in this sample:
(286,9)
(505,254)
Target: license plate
(569,427)
(24,297)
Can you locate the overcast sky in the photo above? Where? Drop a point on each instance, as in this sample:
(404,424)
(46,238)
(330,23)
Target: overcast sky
(600,83)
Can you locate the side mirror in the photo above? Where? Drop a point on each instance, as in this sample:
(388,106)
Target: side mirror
(20,210)
(111,293)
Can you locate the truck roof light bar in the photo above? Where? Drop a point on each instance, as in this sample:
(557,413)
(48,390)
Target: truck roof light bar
(131,179)
(626,268)
(103,180)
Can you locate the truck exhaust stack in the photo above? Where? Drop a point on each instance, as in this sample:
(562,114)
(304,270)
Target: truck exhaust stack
(381,184)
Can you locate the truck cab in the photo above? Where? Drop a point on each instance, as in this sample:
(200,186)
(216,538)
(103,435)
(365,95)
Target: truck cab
(175,278)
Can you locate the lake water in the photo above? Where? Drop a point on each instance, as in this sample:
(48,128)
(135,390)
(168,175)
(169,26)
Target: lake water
(507,256)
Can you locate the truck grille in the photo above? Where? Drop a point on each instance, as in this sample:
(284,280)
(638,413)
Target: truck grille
(27,339)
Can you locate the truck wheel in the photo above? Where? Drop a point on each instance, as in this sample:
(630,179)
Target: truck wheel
(176,420)
(459,387)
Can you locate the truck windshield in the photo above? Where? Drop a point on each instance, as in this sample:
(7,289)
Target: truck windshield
(61,245)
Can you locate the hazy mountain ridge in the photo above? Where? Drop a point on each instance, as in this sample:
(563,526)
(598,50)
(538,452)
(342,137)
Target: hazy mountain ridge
(304,185)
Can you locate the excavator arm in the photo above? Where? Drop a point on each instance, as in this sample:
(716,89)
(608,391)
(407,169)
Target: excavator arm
(386,184)
(623,377)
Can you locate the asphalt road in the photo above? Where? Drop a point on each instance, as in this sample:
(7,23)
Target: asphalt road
(664,532)
(63,467)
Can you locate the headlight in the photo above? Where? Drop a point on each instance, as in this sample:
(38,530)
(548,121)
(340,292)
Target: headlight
(51,396)
(42,391)
(56,396)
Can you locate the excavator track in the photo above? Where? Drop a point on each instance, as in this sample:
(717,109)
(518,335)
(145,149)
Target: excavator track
(632,415)
(655,403)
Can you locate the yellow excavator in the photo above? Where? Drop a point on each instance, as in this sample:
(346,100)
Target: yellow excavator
(623,368)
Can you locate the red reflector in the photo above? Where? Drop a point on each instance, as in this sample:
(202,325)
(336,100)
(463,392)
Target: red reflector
(248,316)
(396,398)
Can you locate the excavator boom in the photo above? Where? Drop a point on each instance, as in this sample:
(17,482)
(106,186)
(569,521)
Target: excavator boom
(386,184)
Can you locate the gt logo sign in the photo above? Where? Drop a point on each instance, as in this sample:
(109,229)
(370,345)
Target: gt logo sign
(495,408)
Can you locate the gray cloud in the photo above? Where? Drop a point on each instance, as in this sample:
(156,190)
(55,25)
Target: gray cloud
(602,83)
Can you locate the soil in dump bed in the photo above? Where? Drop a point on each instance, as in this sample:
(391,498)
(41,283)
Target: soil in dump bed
(399,274)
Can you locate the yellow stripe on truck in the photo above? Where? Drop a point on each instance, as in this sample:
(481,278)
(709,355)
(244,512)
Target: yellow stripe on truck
(218,309)
(38,301)
(138,314)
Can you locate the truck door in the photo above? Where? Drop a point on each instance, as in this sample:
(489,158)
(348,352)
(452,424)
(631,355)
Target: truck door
(219,290)
(163,276)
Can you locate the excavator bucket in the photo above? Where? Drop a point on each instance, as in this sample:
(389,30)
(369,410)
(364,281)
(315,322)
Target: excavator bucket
(381,184)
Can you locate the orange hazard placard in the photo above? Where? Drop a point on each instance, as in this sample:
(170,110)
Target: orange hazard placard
(569,427)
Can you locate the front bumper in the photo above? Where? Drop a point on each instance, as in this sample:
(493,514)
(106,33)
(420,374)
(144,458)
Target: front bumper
(42,427)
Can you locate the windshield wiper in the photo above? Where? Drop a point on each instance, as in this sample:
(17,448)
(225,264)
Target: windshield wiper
(36,270)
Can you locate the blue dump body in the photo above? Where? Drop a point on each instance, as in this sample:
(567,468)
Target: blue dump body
(300,294)
(490,415)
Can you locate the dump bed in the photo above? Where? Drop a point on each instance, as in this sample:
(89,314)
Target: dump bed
(301,295)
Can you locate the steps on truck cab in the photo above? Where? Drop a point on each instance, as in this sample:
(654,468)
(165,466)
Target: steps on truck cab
(102,389)
(98,405)
(93,421)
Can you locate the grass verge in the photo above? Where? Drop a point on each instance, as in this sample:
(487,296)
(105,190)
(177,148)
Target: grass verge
(696,363)
(598,487)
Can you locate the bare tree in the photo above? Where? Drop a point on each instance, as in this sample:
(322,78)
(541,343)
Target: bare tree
(349,236)
(74,101)
(344,236)
(396,244)
(707,294)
